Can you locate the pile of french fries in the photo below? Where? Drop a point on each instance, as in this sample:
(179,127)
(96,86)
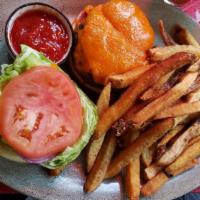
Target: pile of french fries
(153,130)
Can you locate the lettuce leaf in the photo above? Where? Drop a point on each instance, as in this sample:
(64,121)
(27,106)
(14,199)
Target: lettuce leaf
(27,59)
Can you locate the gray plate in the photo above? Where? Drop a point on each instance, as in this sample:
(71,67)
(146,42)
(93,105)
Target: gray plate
(33,180)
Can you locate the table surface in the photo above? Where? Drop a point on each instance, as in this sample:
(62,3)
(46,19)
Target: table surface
(191,7)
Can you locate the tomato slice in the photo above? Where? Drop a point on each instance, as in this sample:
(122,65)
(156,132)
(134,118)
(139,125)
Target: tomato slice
(40,113)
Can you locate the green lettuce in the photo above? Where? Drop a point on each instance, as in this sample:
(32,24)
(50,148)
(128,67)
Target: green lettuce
(27,59)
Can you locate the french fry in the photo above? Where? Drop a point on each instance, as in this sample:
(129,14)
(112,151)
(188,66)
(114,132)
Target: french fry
(193,140)
(128,98)
(165,36)
(181,120)
(161,53)
(192,152)
(165,100)
(154,184)
(127,78)
(157,89)
(152,170)
(147,155)
(187,119)
(195,86)
(134,150)
(98,170)
(135,108)
(179,145)
(162,85)
(170,135)
(56,172)
(183,36)
(193,96)
(133,179)
(133,170)
(179,110)
(130,135)
(95,145)
(104,99)
(162,145)
(194,67)
(190,164)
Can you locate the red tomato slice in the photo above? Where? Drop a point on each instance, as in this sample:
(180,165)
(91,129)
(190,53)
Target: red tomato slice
(41,113)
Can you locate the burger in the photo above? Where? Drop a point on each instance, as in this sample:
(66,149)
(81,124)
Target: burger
(45,118)
(112,38)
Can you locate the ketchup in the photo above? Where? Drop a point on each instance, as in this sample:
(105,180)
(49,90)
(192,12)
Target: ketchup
(41,31)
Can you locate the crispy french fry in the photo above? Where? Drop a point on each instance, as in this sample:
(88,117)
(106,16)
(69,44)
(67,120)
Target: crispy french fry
(194,140)
(127,78)
(194,67)
(133,180)
(130,135)
(56,172)
(161,53)
(162,85)
(152,170)
(190,164)
(187,119)
(195,86)
(134,150)
(147,155)
(95,145)
(180,120)
(193,96)
(179,145)
(154,184)
(98,170)
(192,152)
(135,108)
(157,89)
(179,110)
(165,100)
(165,36)
(128,98)
(104,99)
(162,145)
(170,135)
(133,168)
(183,36)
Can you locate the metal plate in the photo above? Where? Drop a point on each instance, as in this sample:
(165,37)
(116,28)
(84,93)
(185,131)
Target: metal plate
(33,180)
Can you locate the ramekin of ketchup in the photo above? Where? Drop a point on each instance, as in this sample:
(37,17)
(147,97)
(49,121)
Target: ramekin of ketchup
(41,27)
